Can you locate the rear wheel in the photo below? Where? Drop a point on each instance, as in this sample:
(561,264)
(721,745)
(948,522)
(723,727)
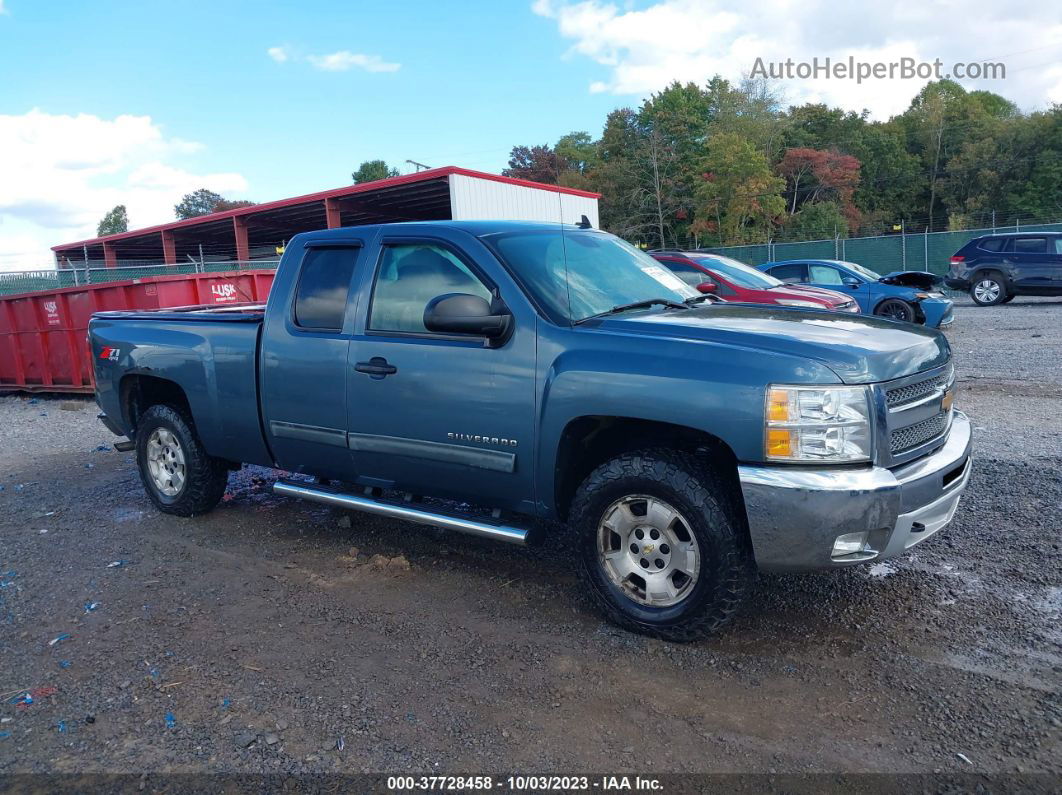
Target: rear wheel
(989,289)
(178,474)
(662,551)
(896,309)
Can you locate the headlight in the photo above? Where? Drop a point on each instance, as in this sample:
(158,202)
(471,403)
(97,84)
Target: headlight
(795,302)
(818,423)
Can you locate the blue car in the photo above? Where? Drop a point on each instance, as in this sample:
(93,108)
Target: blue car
(908,296)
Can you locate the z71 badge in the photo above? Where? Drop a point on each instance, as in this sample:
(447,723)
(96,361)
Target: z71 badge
(110,354)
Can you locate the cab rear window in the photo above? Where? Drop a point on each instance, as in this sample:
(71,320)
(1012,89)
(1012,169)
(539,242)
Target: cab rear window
(321,297)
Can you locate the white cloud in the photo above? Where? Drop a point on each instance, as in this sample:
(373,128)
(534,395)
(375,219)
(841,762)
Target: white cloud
(2,9)
(644,49)
(279,54)
(344,59)
(62,173)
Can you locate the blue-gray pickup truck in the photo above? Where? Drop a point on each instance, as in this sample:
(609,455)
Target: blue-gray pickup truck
(551,376)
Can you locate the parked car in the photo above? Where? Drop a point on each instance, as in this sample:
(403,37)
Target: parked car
(996,268)
(910,296)
(736,281)
(551,374)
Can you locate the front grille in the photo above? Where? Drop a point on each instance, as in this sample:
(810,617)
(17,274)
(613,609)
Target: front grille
(909,393)
(904,439)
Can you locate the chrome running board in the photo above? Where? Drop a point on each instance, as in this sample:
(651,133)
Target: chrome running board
(328,496)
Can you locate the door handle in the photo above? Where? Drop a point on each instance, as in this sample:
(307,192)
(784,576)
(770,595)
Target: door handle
(377,367)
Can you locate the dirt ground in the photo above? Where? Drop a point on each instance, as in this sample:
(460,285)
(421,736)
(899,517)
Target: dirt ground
(267,636)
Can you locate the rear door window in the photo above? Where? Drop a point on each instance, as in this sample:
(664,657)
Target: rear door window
(1058,245)
(791,274)
(1029,245)
(324,282)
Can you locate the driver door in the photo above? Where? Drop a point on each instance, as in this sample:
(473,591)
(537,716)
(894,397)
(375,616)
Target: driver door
(437,414)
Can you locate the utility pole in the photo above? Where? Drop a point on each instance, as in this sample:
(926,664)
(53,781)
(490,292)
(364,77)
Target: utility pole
(418,166)
(993,222)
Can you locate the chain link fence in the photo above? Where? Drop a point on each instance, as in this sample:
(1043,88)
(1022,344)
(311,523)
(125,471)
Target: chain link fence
(33,281)
(924,251)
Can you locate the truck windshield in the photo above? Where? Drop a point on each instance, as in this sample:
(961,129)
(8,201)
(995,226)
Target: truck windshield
(579,273)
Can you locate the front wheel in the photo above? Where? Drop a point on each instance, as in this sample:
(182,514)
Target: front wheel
(178,474)
(895,309)
(662,551)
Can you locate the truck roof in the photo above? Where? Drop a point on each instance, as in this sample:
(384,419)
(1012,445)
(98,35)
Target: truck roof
(476,228)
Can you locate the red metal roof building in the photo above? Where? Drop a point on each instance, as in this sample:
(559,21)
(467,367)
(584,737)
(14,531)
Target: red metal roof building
(256,232)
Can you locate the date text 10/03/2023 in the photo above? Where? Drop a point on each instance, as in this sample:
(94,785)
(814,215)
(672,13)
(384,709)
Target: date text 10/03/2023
(523,783)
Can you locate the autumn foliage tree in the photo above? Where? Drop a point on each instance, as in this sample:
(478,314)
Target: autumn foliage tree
(739,198)
(814,175)
(952,159)
(536,163)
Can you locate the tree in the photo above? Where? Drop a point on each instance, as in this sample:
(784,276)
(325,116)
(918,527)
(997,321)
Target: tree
(117,220)
(817,221)
(739,199)
(535,163)
(816,175)
(752,111)
(372,170)
(196,203)
(578,151)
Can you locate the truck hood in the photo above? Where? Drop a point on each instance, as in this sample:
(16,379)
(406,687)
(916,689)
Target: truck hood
(859,349)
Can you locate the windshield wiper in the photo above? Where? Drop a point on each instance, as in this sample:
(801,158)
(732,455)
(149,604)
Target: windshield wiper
(666,302)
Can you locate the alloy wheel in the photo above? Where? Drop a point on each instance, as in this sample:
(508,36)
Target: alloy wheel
(647,550)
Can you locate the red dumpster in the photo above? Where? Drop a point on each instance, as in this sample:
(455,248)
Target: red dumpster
(43,335)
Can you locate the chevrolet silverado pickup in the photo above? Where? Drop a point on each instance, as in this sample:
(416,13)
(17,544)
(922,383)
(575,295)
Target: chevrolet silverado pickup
(559,380)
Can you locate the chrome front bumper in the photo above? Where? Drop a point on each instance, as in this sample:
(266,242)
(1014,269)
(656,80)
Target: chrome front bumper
(796,513)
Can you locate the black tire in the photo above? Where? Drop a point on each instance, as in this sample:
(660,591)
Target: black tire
(989,289)
(683,481)
(204,477)
(896,309)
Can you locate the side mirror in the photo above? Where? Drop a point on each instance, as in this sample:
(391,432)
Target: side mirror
(460,313)
(850,281)
(707,287)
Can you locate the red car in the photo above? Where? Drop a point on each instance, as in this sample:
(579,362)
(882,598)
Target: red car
(736,281)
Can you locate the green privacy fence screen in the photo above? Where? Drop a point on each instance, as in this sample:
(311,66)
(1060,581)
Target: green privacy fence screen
(33,281)
(916,252)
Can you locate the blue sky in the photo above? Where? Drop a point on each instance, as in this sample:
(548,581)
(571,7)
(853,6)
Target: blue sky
(470,85)
(108,101)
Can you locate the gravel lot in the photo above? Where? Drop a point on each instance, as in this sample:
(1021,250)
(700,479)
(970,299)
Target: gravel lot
(267,637)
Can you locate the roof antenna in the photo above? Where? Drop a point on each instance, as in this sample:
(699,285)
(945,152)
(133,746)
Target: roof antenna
(584,223)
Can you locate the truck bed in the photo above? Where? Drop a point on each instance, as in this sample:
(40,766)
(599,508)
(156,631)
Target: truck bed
(210,351)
